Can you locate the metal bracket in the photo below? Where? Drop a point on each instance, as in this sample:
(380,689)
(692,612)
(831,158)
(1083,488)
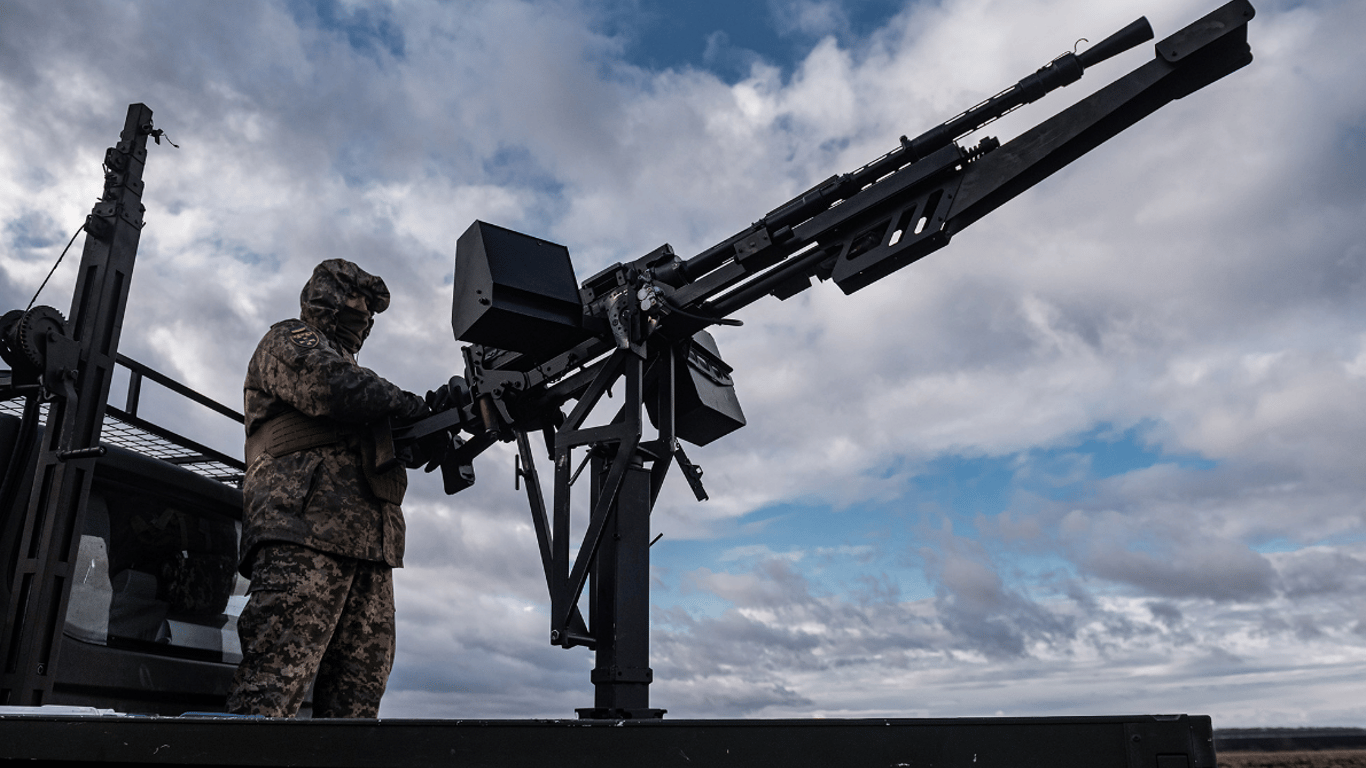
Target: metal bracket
(691,472)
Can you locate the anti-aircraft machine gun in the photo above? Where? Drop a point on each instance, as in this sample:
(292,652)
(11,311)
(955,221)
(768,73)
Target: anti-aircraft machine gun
(159,634)
(540,340)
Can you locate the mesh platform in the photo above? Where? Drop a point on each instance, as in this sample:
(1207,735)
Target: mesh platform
(137,436)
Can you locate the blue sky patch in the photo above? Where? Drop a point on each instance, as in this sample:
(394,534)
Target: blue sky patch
(33,230)
(984,485)
(516,166)
(726,37)
(836,551)
(368,28)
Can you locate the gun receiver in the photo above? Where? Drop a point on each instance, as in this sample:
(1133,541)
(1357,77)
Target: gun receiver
(540,339)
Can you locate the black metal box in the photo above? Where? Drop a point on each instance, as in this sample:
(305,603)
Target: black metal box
(516,292)
(706,405)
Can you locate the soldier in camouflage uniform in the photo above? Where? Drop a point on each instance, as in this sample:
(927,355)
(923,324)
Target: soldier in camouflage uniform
(323,528)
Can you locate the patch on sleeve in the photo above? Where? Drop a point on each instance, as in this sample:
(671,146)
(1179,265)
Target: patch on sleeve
(303,336)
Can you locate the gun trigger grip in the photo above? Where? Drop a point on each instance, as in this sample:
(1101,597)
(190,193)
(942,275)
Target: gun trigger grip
(691,472)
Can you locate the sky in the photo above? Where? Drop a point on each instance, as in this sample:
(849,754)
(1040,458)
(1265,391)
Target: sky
(1101,455)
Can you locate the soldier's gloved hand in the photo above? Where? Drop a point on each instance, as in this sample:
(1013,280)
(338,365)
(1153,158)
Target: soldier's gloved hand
(452,394)
(417,409)
(422,452)
(429,451)
(436,452)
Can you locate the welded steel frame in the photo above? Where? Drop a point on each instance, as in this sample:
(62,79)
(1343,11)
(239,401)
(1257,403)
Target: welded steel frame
(613,560)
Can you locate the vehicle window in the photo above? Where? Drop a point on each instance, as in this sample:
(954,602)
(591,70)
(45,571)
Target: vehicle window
(158,577)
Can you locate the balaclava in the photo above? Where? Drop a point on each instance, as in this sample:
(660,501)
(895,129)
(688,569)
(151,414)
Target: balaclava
(341,300)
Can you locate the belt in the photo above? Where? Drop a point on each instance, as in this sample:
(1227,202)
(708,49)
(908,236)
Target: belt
(291,432)
(294,431)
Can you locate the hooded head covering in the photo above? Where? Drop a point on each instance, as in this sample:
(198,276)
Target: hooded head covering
(341,300)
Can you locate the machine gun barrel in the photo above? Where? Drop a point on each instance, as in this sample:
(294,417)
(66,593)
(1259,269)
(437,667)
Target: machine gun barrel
(1066,69)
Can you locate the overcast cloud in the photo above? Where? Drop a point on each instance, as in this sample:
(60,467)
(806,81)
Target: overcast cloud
(1101,455)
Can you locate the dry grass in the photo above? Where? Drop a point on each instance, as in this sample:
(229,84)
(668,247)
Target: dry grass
(1328,758)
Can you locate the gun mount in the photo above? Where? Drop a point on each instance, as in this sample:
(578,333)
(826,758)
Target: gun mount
(540,340)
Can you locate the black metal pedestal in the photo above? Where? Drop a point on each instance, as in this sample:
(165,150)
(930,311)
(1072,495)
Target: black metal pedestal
(619,603)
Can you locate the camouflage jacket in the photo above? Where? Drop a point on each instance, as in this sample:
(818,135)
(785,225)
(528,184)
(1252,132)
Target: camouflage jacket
(319,497)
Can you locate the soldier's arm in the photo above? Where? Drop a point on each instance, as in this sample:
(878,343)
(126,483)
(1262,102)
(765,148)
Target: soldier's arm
(319,381)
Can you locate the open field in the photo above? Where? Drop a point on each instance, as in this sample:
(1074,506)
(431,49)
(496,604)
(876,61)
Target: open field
(1328,758)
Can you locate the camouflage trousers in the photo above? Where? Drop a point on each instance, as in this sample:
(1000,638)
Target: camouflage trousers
(312,615)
